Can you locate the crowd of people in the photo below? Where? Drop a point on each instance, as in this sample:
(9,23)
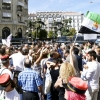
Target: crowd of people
(26,70)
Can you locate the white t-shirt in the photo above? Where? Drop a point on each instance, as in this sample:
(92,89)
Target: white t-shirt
(18,61)
(12,95)
(92,74)
(5,70)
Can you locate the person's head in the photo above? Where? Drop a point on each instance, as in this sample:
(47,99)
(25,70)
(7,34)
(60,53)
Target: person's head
(54,54)
(91,55)
(76,51)
(34,57)
(8,51)
(26,46)
(89,44)
(75,89)
(25,51)
(5,60)
(66,53)
(56,62)
(66,71)
(6,82)
(97,50)
(2,51)
(45,53)
(16,50)
(27,63)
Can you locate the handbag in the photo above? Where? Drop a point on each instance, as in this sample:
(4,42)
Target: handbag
(2,95)
(48,82)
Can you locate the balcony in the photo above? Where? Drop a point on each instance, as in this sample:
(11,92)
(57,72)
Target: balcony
(6,8)
(19,9)
(7,20)
(21,22)
(6,1)
(20,4)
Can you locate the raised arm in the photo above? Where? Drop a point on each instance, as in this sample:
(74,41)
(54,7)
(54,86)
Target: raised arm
(71,56)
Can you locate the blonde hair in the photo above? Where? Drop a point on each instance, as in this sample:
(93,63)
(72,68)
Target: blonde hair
(66,71)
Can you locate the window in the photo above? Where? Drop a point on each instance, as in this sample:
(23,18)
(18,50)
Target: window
(25,1)
(19,18)
(6,6)
(6,18)
(19,8)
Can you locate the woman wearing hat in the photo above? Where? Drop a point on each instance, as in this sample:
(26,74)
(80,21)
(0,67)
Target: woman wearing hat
(66,71)
(9,87)
(75,89)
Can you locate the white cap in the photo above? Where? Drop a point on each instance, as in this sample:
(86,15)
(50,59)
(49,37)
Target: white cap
(76,43)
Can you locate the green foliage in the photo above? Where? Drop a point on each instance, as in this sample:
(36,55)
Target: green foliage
(34,34)
(30,24)
(42,34)
(50,34)
(72,31)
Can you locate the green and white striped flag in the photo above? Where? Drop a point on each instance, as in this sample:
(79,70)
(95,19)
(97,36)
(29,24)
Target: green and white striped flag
(90,24)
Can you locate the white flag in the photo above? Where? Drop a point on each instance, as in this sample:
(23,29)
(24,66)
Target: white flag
(7,41)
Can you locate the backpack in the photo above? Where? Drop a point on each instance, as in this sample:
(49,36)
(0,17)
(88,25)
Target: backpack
(48,81)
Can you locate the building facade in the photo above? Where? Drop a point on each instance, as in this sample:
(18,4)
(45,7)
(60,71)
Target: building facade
(13,17)
(49,17)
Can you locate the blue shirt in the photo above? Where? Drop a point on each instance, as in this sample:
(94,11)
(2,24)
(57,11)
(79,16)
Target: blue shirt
(29,80)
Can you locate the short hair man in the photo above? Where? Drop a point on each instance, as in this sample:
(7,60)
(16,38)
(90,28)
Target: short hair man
(92,74)
(30,81)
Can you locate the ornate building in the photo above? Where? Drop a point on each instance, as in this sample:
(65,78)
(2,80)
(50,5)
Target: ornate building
(13,17)
(49,17)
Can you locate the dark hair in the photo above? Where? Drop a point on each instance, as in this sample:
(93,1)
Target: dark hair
(98,58)
(76,51)
(13,85)
(25,51)
(67,51)
(5,62)
(27,63)
(51,54)
(2,51)
(93,54)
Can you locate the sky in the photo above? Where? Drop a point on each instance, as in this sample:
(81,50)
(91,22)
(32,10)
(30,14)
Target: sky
(81,6)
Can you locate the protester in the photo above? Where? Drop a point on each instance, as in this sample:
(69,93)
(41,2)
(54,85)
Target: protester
(54,72)
(75,89)
(9,87)
(31,82)
(5,67)
(66,71)
(92,75)
(75,63)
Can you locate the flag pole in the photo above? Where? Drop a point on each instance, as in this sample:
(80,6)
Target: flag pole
(75,38)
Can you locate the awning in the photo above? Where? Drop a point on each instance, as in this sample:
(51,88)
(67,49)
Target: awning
(6,14)
(6,1)
(20,4)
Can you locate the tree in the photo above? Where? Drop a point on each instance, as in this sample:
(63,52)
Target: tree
(42,34)
(50,34)
(38,26)
(66,26)
(57,26)
(72,32)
